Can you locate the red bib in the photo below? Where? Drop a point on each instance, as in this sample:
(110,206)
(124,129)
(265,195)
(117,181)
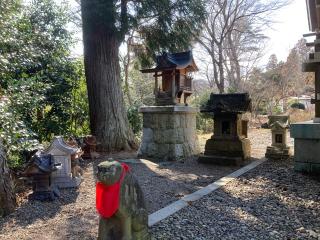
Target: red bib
(107,197)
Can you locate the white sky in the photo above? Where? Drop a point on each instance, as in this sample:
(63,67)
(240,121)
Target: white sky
(290,23)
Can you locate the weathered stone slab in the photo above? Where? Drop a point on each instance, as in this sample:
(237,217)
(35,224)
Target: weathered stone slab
(221,151)
(307,150)
(305,130)
(168,109)
(220,160)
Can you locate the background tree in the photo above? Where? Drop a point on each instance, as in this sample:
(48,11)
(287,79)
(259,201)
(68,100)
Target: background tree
(233,38)
(163,25)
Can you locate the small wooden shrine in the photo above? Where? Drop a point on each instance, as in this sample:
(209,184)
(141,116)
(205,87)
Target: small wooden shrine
(89,147)
(66,155)
(229,145)
(176,82)
(39,169)
(279,130)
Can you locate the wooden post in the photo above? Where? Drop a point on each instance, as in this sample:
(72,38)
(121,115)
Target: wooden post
(156,84)
(174,85)
(317,92)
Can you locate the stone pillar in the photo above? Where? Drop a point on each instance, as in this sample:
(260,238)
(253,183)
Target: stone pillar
(317,94)
(169,133)
(306,147)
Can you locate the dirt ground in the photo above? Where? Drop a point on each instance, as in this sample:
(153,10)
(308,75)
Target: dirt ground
(73,216)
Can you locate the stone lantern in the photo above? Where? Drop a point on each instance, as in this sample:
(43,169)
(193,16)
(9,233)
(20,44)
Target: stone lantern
(279,130)
(229,145)
(64,154)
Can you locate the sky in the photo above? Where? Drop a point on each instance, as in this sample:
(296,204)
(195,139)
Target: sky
(290,23)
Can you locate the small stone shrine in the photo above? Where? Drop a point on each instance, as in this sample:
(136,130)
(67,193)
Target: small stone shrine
(39,170)
(307,134)
(169,129)
(64,154)
(229,145)
(279,130)
(127,218)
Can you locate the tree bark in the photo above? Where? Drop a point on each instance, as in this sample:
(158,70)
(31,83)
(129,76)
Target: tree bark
(7,196)
(126,73)
(108,118)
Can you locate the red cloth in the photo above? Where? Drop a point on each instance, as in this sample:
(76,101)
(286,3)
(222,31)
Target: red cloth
(107,197)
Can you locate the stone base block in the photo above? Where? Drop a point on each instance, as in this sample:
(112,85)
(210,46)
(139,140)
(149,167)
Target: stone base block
(66,182)
(306,147)
(169,133)
(277,153)
(311,168)
(220,160)
(42,196)
(224,151)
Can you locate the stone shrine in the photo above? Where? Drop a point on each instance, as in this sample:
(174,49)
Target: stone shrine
(229,145)
(64,154)
(40,169)
(307,134)
(169,129)
(279,130)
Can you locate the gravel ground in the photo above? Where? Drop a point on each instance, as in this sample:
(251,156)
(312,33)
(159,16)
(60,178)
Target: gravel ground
(70,217)
(270,202)
(264,204)
(165,183)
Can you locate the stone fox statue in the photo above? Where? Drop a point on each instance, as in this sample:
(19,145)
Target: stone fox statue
(124,217)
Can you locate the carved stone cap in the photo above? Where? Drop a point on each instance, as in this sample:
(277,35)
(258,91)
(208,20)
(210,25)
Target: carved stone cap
(59,143)
(279,121)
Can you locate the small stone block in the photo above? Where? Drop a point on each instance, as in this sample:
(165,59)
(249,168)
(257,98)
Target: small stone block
(315,168)
(220,160)
(302,167)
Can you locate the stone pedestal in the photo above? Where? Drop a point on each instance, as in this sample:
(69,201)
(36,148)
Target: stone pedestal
(223,151)
(278,153)
(169,133)
(306,147)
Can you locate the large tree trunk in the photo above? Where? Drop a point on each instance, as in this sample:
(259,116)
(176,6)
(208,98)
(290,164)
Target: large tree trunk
(108,119)
(7,196)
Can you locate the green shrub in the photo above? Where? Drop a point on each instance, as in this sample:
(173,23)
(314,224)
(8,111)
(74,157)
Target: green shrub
(298,105)
(135,119)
